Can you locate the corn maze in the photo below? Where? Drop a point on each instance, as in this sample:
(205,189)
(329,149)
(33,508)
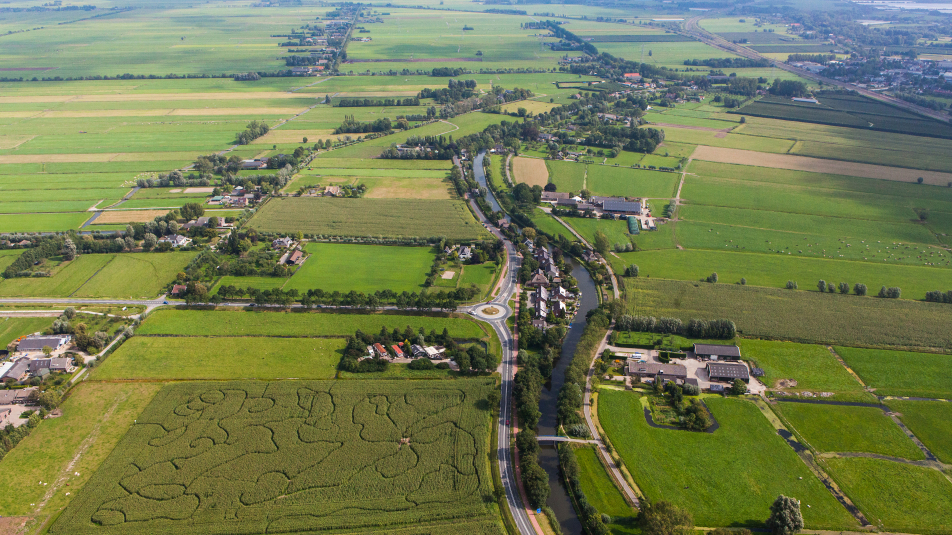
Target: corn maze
(297,457)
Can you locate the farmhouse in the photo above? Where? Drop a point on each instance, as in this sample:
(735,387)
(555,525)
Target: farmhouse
(52,365)
(176,240)
(179,289)
(435,352)
(37,343)
(417,350)
(200,222)
(397,351)
(727,372)
(254,164)
(716,352)
(332,191)
(281,243)
(19,371)
(295,258)
(15,397)
(465,253)
(652,369)
(381,351)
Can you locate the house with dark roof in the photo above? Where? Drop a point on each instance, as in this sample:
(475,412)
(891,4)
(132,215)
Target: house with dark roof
(53,365)
(716,352)
(18,372)
(622,207)
(727,372)
(554,196)
(295,258)
(538,280)
(37,343)
(652,369)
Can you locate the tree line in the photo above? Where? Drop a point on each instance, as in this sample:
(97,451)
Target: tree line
(368,103)
(728,63)
(253,131)
(696,328)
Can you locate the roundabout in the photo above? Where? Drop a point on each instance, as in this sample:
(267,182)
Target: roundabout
(491,311)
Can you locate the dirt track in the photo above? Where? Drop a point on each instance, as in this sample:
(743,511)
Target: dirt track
(817,165)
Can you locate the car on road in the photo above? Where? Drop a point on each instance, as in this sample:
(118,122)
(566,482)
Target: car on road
(507,422)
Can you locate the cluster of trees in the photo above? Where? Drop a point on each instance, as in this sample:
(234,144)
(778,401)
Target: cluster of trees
(728,63)
(11,436)
(442,300)
(890,293)
(447,71)
(176,179)
(423,148)
(695,328)
(738,85)
(815,58)
(788,88)
(353,126)
(629,138)
(253,131)
(692,414)
(42,249)
(453,92)
(367,103)
(526,392)
(938,296)
(556,28)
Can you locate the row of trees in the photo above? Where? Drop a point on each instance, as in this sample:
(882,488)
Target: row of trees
(728,63)
(253,131)
(937,296)
(353,126)
(527,389)
(442,300)
(368,103)
(696,328)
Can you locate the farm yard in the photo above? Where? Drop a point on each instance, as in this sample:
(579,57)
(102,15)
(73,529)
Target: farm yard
(345,445)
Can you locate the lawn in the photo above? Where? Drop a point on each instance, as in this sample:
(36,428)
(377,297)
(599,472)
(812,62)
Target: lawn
(930,421)
(567,176)
(896,497)
(66,278)
(479,274)
(197,357)
(622,182)
(601,492)
(808,317)
(296,456)
(900,373)
(813,367)
(12,328)
(842,429)
(136,275)
(345,267)
(545,223)
(728,478)
(392,218)
(95,415)
(272,323)
(617,231)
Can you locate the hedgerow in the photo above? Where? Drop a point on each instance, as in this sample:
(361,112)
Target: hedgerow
(294,456)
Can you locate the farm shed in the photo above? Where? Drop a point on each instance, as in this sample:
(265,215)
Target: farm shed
(651,369)
(727,372)
(622,207)
(37,343)
(716,352)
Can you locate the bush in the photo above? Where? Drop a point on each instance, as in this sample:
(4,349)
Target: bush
(859,289)
(421,364)
(791,285)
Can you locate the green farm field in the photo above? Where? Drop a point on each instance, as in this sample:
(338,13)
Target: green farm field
(97,413)
(341,445)
(728,478)
(620,182)
(198,357)
(12,328)
(896,497)
(900,373)
(617,231)
(930,422)
(789,315)
(602,493)
(345,267)
(848,429)
(546,223)
(257,323)
(369,217)
(813,367)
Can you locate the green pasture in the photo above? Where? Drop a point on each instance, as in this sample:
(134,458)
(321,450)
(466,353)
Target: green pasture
(64,281)
(345,267)
(732,141)
(546,223)
(198,357)
(12,328)
(896,497)
(930,422)
(601,492)
(238,323)
(621,182)
(813,367)
(727,478)
(799,316)
(774,270)
(845,429)
(900,373)
(567,176)
(617,231)
(368,217)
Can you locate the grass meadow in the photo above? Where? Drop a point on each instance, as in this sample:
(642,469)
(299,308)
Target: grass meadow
(900,373)
(346,267)
(807,317)
(621,182)
(96,414)
(199,357)
(728,478)
(237,323)
(12,328)
(368,217)
(601,492)
(896,497)
(930,422)
(842,429)
(546,223)
(813,367)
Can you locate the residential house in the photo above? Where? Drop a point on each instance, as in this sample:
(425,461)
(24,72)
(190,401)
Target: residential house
(332,191)
(554,196)
(465,253)
(176,240)
(541,308)
(541,294)
(381,351)
(727,372)
(295,258)
(15,397)
(716,352)
(652,369)
(179,289)
(37,342)
(417,350)
(540,324)
(254,164)
(200,222)
(538,280)
(435,352)
(633,76)
(54,365)
(397,351)
(561,293)
(19,371)
(238,201)
(559,308)
(281,243)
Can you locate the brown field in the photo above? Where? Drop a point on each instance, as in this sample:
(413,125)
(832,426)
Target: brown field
(127,216)
(156,112)
(126,97)
(12,142)
(411,188)
(533,106)
(817,165)
(532,171)
(199,190)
